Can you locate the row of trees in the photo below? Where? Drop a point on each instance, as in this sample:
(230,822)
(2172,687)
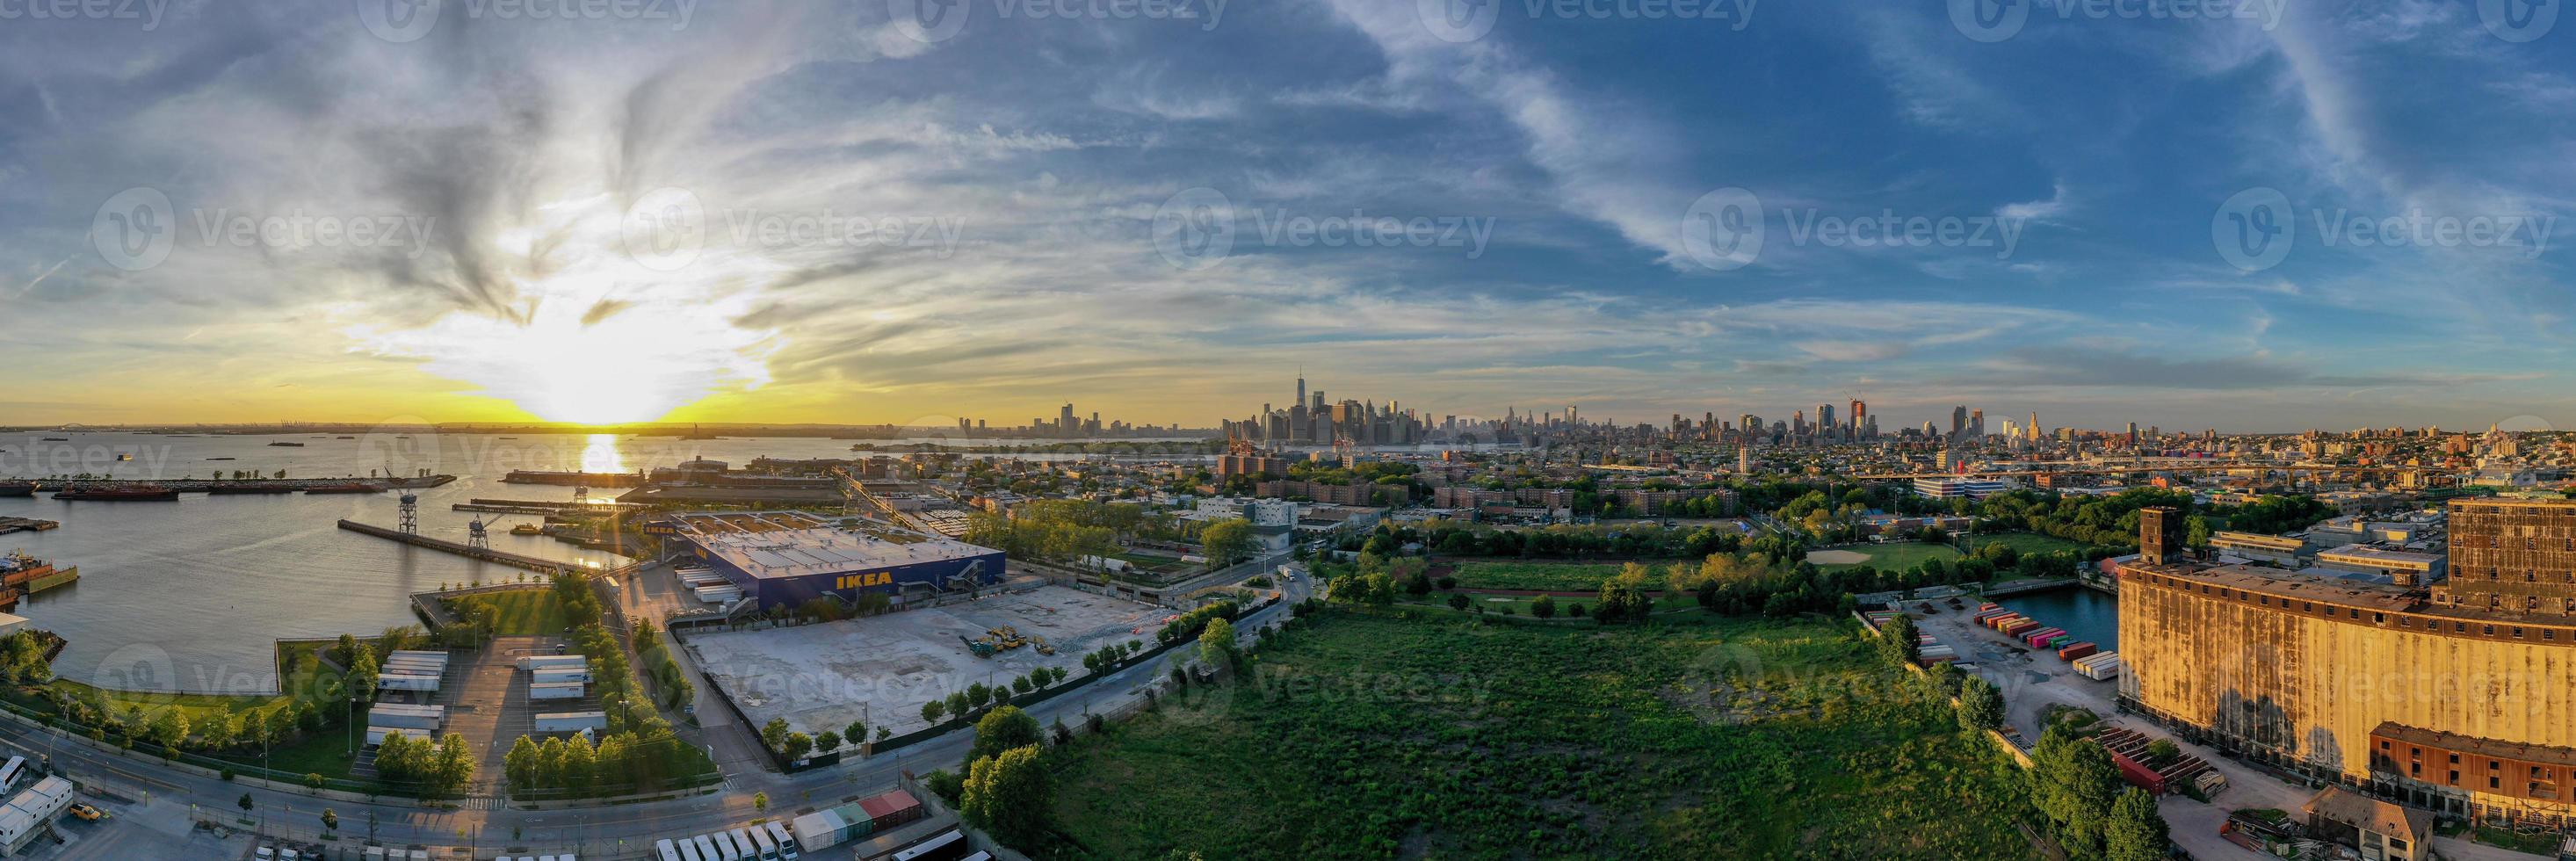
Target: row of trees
(440,768)
(2092,811)
(978,695)
(639,752)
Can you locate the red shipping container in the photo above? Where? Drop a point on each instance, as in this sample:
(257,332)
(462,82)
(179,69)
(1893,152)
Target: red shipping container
(2075,651)
(891,809)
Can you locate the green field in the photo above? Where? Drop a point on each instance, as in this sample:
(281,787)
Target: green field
(1520,604)
(1369,737)
(1548,576)
(1894,557)
(533,611)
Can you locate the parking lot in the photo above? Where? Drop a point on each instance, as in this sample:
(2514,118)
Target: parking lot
(883,668)
(487,702)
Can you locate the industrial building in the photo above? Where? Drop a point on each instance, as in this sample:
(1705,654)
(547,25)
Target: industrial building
(2457,697)
(786,558)
(29,813)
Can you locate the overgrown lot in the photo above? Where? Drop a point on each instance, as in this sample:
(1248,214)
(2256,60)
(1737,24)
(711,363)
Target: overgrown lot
(1362,736)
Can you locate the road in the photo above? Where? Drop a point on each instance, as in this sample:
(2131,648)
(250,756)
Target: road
(162,810)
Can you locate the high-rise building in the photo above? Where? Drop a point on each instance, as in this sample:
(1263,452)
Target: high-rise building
(1825,419)
(1859,415)
(1958,420)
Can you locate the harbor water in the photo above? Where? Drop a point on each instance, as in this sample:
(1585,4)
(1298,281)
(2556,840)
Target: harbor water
(2092,616)
(191,595)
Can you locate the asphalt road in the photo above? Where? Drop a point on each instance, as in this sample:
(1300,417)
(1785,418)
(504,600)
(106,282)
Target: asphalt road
(166,795)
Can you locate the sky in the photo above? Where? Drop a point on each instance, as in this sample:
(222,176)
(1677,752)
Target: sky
(2288,215)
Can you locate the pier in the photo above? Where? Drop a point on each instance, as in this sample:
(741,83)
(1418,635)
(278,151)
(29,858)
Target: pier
(276,485)
(2026,587)
(485,554)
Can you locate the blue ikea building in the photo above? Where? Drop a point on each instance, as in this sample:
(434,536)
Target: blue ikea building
(789,558)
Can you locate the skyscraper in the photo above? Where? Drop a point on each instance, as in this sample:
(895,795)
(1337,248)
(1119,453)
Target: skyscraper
(1859,415)
(1958,420)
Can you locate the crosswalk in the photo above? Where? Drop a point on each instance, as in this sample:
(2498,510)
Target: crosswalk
(485,802)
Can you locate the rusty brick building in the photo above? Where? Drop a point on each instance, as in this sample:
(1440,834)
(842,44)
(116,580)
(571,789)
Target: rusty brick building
(2459,698)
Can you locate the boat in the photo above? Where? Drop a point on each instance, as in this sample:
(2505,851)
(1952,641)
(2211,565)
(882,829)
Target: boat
(527,529)
(344,437)
(17,488)
(352,487)
(129,493)
(237,489)
(219,458)
(124,457)
(57,439)
(287,444)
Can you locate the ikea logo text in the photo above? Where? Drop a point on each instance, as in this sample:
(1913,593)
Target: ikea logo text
(872,578)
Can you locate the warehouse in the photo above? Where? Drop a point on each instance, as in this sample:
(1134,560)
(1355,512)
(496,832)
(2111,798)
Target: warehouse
(789,558)
(2401,691)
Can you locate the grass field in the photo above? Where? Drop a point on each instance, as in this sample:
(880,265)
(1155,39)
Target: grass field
(2028,542)
(1521,603)
(1895,557)
(524,612)
(1369,737)
(1549,576)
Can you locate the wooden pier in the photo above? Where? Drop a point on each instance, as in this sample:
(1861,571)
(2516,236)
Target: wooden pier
(497,557)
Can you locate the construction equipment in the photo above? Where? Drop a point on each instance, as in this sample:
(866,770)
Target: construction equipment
(982,649)
(1043,648)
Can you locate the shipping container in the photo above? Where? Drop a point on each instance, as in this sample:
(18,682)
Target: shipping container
(2074,651)
(376,735)
(817,831)
(412,716)
(2100,672)
(539,662)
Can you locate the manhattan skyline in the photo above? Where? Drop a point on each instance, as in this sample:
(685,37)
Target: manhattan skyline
(832,215)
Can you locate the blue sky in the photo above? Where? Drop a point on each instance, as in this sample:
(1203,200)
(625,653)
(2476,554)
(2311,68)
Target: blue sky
(817,212)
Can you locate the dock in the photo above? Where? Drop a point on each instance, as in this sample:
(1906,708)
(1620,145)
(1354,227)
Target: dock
(25,524)
(497,557)
(282,485)
(2026,587)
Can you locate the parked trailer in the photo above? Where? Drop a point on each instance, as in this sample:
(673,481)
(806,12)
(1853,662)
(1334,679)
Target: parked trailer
(2074,651)
(407,682)
(760,839)
(546,662)
(689,850)
(376,735)
(568,722)
(949,845)
(558,675)
(407,716)
(664,849)
(706,848)
(556,691)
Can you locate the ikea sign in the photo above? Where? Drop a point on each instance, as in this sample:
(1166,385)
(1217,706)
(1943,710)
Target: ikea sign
(860,581)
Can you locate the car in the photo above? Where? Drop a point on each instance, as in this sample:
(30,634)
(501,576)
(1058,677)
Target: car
(87,813)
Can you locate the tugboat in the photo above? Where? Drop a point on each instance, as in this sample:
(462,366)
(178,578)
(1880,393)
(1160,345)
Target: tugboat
(353,487)
(17,488)
(128,493)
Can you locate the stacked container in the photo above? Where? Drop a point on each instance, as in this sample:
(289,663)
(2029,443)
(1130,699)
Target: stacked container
(2099,666)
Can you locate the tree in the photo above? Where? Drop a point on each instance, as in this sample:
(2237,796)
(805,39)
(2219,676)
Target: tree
(1003,729)
(1544,607)
(1216,644)
(1009,794)
(760,802)
(520,764)
(244,802)
(330,819)
(774,733)
(855,732)
(1981,706)
(2134,830)
(2073,784)
(1226,541)
(827,741)
(2163,751)
(932,710)
(1021,685)
(797,746)
(957,703)
(1897,640)
(1457,600)
(978,694)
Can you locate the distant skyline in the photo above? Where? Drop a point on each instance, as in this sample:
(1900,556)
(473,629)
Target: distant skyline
(817,213)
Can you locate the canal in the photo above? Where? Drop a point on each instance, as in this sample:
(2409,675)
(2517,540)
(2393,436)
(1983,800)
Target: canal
(2090,615)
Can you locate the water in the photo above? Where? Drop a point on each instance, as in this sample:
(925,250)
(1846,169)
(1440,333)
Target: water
(191,595)
(2089,615)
